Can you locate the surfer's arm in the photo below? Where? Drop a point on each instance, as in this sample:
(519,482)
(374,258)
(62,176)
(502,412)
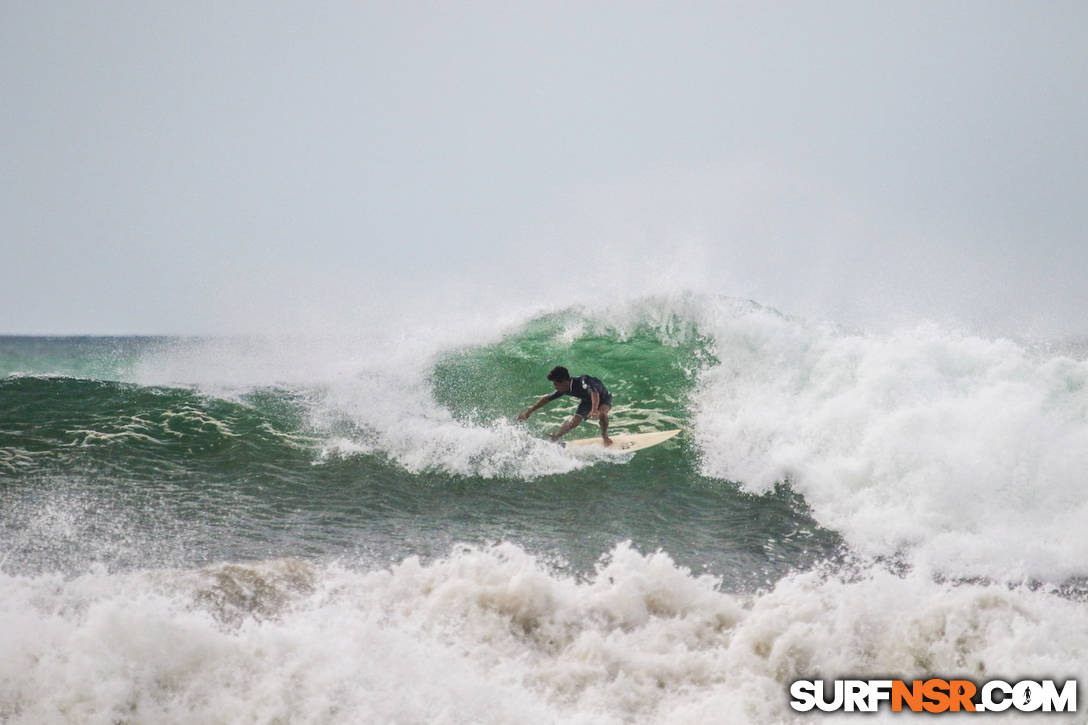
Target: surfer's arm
(536,406)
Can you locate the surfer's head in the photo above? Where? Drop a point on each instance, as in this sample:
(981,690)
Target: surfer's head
(560,378)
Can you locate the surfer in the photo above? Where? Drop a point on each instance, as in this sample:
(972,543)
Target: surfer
(596,401)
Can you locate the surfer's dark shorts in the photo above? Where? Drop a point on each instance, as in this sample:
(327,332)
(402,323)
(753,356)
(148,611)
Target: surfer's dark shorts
(587,405)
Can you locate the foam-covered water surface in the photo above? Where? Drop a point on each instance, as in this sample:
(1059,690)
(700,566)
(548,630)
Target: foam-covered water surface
(493,634)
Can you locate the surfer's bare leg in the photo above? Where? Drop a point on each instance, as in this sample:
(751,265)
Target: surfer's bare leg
(602,416)
(567,427)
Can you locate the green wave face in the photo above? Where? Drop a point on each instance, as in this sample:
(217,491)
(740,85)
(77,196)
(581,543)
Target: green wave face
(54,422)
(650,370)
(379,464)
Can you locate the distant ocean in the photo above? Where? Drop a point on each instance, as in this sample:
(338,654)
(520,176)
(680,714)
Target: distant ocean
(354,529)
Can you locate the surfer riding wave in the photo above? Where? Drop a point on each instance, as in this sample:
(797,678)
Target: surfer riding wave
(595,399)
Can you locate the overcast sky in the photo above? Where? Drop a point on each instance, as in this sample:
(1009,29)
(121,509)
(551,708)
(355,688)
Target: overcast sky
(195,167)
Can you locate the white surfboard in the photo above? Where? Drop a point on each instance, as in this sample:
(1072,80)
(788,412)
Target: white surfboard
(627,442)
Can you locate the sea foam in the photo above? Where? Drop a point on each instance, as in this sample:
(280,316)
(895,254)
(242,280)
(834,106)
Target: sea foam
(964,455)
(494,635)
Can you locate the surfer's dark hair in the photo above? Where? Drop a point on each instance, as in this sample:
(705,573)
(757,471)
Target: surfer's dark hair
(559,374)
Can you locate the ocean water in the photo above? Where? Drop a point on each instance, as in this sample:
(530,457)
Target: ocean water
(352,528)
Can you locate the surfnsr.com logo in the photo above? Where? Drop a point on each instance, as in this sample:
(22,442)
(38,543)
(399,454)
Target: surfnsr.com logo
(933,695)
